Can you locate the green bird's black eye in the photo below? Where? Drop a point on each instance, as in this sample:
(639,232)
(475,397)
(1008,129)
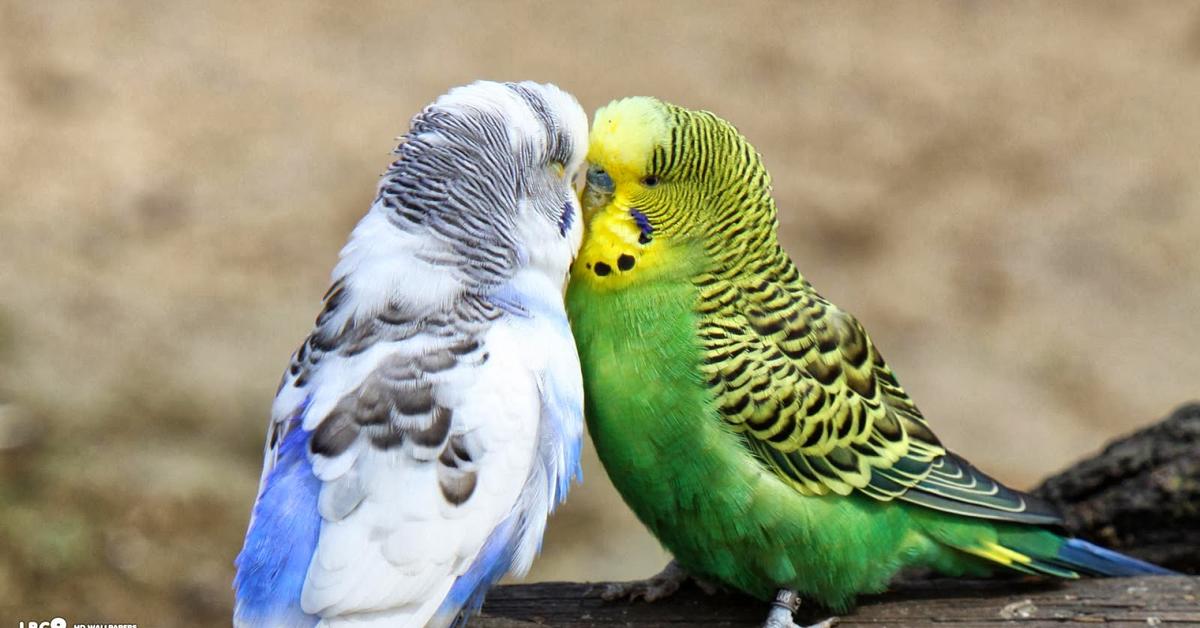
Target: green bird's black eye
(650,181)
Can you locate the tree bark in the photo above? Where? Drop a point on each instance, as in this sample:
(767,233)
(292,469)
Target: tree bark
(1140,495)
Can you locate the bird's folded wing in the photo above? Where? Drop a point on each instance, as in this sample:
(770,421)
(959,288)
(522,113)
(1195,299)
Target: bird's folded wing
(420,463)
(816,403)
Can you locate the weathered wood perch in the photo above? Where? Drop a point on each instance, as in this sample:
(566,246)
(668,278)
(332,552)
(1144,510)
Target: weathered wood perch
(1140,495)
(1169,601)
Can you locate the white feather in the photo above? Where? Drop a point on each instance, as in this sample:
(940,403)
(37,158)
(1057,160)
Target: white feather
(405,543)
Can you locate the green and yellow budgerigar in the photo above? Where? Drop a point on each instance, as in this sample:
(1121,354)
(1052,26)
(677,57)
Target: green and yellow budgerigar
(751,424)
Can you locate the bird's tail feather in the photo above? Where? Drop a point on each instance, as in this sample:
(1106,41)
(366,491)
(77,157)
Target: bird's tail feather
(1094,560)
(1040,551)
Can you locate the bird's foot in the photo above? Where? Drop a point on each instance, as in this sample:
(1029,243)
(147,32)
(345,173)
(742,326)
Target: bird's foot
(784,608)
(661,585)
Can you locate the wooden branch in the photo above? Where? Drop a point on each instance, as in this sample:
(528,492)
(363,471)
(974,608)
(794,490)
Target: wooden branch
(1140,495)
(1167,601)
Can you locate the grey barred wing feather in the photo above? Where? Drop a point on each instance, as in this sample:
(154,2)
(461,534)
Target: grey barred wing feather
(421,431)
(420,463)
(437,453)
(815,402)
(955,485)
(398,406)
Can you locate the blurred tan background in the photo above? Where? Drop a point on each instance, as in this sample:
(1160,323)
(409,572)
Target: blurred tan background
(1007,195)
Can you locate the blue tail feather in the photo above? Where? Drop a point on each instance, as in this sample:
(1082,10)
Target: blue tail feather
(279,545)
(1098,561)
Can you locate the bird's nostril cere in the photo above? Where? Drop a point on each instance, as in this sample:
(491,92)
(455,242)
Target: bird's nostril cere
(599,179)
(625,261)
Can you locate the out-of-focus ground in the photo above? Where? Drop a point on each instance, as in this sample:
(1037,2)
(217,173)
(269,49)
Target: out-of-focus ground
(1007,194)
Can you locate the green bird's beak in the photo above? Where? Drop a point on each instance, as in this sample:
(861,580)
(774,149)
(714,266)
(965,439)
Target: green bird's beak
(598,191)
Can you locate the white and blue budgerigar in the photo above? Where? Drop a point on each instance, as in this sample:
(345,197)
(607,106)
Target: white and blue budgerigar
(433,419)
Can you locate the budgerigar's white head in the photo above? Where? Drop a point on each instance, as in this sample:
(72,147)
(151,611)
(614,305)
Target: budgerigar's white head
(481,189)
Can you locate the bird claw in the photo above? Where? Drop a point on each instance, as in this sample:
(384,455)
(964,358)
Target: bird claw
(661,585)
(788,622)
(650,590)
(784,607)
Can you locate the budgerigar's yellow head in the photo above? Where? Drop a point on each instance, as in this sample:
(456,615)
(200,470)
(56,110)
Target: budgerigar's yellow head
(669,192)
(626,133)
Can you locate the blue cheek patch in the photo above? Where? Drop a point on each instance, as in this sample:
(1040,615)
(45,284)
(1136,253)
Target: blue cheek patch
(567,218)
(644,226)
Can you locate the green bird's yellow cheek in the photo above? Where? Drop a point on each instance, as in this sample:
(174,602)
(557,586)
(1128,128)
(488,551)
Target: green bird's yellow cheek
(616,249)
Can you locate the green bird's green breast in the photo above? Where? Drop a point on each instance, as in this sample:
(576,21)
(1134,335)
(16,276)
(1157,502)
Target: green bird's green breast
(689,477)
(646,403)
(643,391)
